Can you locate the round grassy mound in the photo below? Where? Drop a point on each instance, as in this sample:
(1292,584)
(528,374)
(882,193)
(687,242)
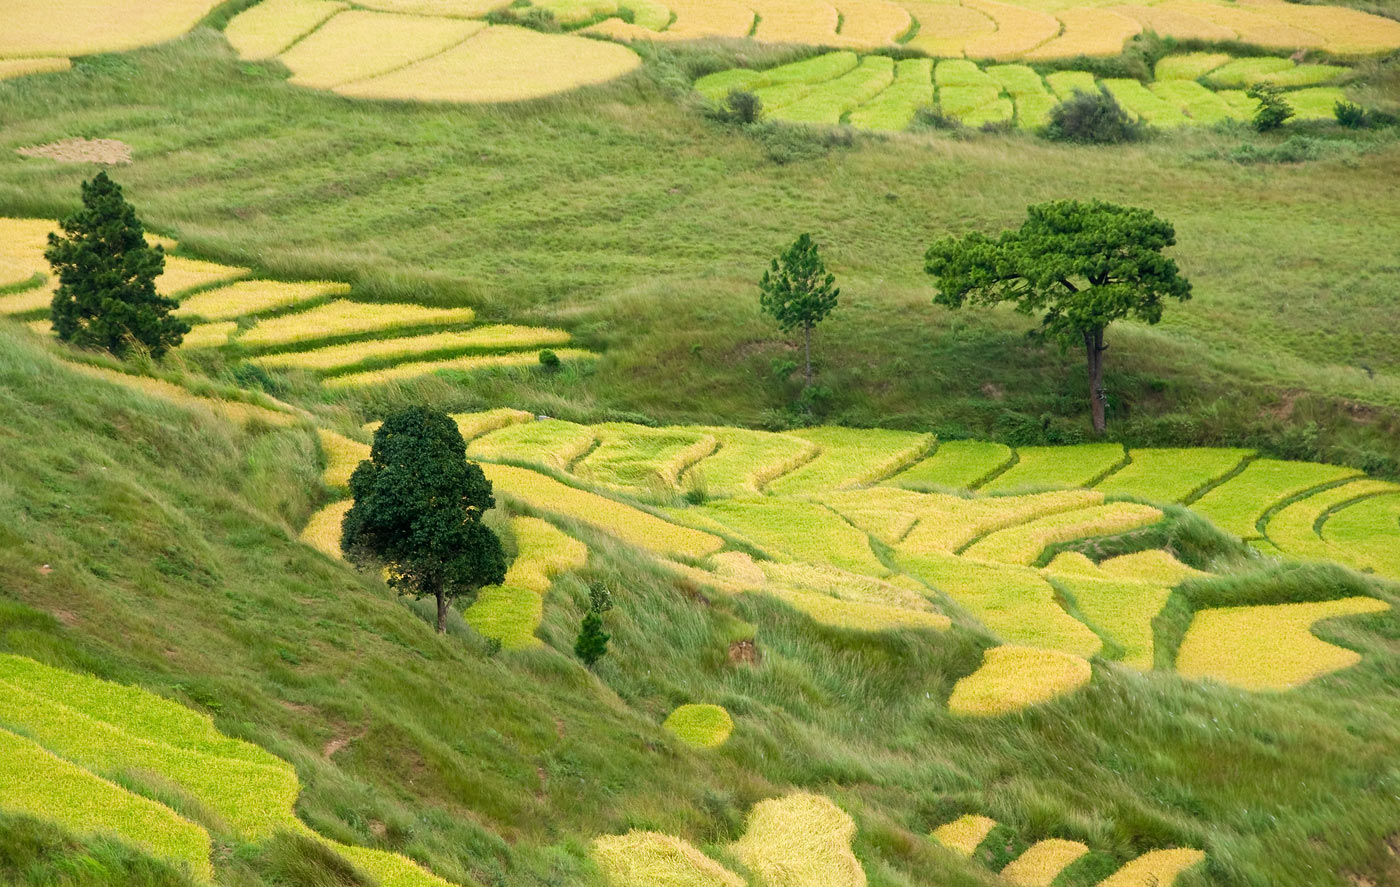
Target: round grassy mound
(703,726)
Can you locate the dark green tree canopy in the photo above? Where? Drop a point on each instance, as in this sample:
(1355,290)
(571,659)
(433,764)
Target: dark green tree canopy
(418,508)
(1079,266)
(106,297)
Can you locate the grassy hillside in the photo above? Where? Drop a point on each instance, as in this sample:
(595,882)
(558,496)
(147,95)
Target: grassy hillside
(623,215)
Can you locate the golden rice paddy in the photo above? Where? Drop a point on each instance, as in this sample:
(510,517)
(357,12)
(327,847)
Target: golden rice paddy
(251,297)
(84,27)
(652,859)
(964,834)
(271,26)
(338,357)
(20,67)
(802,840)
(1042,862)
(343,456)
(474,425)
(1157,868)
(382,42)
(700,725)
(322,532)
(344,318)
(466,364)
(1015,678)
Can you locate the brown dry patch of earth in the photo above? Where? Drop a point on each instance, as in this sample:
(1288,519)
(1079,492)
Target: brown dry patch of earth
(77,150)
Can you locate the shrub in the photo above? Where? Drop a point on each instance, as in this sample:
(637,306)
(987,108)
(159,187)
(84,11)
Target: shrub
(1352,116)
(549,360)
(1090,118)
(1273,110)
(741,106)
(592,641)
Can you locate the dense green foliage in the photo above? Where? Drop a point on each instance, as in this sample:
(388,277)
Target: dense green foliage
(1091,118)
(798,292)
(418,509)
(1274,109)
(106,297)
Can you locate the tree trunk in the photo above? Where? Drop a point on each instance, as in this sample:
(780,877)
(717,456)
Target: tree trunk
(807,337)
(1094,349)
(442,613)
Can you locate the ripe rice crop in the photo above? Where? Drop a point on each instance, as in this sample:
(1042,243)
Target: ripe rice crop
(1363,535)
(1015,678)
(508,614)
(1315,103)
(945,27)
(1294,528)
(999,111)
(344,318)
(1072,466)
(649,14)
(78,27)
(639,457)
(739,567)
(866,24)
(803,531)
(464,364)
(1088,31)
(22,244)
(1151,565)
(1177,24)
(1023,544)
(322,532)
(827,102)
(856,615)
(1123,609)
(247,297)
(1237,504)
(502,63)
(264,30)
(543,552)
(947,523)
(1017,80)
(1033,111)
(571,13)
(1019,30)
(1142,104)
(955,465)
(887,513)
(209,335)
(1042,862)
(448,8)
(801,840)
(709,18)
(893,109)
(388,869)
(1066,83)
(343,456)
(41,785)
(20,67)
(183,274)
(796,21)
(746,460)
(351,354)
(1199,103)
(960,102)
(1345,31)
(959,72)
(631,525)
(1240,73)
(550,442)
(817,69)
(1156,868)
(1171,475)
(360,44)
(850,457)
(964,834)
(651,859)
(1268,647)
(26,302)
(1258,27)
(703,726)
(1014,603)
(1189,65)
(474,425)
(833,582)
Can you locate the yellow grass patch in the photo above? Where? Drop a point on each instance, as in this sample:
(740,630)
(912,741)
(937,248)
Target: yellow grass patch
(1268,647)
(474,425)
(20,67)
(944,28)
(651,859)
(796,21)
(1019,30)
(358,44)
(502,63)
(703,726)
(1014,678)
(1023,544)
(1177,24)
(26,301)
(322,532)
(343,318)
(740,567)
(181,274)
(343,456)
(802,840)
(1042,862)
(1157,868)
(631,525)
(81,27)
(1088,31)
(507,614)
(543,552)
(494,336)
(867,24)
(964,834)
(469,363)
(262,31)
(1123,609)
(208,335)
(255,297)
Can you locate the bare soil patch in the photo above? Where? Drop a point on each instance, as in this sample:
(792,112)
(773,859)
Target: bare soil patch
(76,150)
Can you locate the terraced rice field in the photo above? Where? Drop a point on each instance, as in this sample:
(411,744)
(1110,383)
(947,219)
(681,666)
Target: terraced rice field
(93,729)
(1042,862)
(815,521)
(700,725)
(32,41)
(1192,89)
(800,840)
(964,834)
(653,859)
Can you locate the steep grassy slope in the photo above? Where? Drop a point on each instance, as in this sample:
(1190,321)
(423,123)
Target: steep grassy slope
(154,545)
(624,216)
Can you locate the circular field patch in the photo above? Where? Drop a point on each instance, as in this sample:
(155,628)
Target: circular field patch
(703,726)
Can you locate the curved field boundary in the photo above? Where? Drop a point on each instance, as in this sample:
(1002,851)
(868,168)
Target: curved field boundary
(75,27)
(955,465)
(272,26)
(1363,535)
(638,457)
(653,859)
(553,443)
(1013,678)
(360,355)
(1238,504)
(1296,528)
(1023,544)
(1045,467)
(803,531)
(343,318)
(1172,475)
(745,461)
(951,523)
(851,457)
(402,372)
(1042,862)
(1122,609)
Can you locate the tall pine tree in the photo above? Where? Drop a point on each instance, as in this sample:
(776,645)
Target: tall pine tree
(106,296)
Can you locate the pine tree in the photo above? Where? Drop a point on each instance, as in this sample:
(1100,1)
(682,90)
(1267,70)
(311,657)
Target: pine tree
(798,293)
(106,297)
(592,641)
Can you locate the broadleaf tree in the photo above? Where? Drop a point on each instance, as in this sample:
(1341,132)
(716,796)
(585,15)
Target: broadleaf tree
(1079,265)
(106,295)
(798,292)
(418,510)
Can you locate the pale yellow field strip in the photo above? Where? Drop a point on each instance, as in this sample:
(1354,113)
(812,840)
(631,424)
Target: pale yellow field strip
(964,834)
(1042,862)
(247,297)
(697,19)
(1019,30)
(496,336)
(271,26)
(1176,24)
(1015,678)
(945,28)
(182,274)
(85,27)
(1342,30)
(871,23)
(1157,868)
(359,43)
(468,363)
(1088,31)
(20,67)
(448,8)
(796,21)
(345,318)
